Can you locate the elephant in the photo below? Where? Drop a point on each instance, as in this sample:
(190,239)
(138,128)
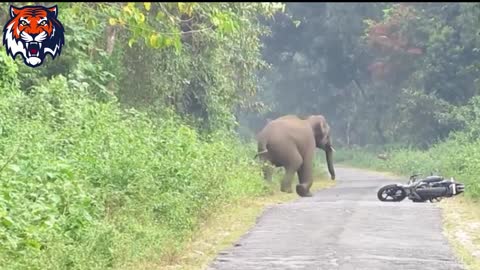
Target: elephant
(290,142)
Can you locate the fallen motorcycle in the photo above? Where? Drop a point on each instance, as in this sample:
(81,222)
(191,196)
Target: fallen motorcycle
(431,188)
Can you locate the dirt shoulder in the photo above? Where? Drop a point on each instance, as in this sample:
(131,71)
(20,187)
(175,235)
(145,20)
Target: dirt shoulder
(461,218)
(225,227)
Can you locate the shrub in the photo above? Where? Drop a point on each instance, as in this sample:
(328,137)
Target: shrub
(89,185)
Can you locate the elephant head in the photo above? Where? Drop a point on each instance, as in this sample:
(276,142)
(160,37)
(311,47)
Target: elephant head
(321,131)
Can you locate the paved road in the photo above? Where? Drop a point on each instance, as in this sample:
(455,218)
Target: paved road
(344,227)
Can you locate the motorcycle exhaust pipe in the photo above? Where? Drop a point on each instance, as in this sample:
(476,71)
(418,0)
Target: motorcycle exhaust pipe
(453,188)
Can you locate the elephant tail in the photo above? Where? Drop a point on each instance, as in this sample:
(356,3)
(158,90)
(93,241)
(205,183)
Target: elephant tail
(260,153)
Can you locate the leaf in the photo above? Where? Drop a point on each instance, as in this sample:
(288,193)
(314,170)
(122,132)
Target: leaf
(215,21)
(160,16)
(140,18)
(147,5)
(91,24)
(33,243)
(181,7)
(178,45)
(128,9)
(190,10)
(228,26)
(153,40)
(168,42)
(112,21)
(14,168)
(130,42)
(7,222)
(51,175)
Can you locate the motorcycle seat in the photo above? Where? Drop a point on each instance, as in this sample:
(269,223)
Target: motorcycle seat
(432,179)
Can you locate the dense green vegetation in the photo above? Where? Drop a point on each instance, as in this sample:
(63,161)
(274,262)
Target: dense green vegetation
(89,185)
(114,152)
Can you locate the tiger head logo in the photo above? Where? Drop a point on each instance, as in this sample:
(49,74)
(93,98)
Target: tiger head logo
(33,32)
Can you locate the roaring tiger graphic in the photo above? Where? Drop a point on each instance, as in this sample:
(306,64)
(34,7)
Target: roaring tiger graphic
(33,32)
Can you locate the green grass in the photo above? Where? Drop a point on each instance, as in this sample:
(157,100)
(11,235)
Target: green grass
(461,226)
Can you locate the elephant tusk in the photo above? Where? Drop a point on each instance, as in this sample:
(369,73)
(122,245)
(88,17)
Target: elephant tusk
(333,149)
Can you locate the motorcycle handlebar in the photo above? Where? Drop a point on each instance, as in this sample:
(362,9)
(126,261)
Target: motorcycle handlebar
(415,175)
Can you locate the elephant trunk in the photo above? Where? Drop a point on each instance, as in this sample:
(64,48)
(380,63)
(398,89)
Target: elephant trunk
(329,156)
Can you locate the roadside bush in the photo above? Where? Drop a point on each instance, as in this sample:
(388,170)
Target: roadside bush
(88,185)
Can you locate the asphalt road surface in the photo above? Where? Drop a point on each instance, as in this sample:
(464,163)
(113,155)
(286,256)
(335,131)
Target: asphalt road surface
(344,227)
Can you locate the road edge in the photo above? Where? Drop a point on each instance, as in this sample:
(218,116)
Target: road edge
(461,219)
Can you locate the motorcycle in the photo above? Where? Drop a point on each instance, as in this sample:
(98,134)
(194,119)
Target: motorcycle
(432,188)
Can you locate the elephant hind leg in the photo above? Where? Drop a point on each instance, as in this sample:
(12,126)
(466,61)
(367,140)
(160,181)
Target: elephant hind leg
(305,178)
(286,185)
(294,163)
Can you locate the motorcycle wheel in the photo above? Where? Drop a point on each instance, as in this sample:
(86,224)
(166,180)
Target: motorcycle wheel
(395,193)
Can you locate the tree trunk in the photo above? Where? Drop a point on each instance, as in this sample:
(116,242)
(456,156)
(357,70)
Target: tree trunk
(348,133)
(111,35)
(380,132)
(111,32)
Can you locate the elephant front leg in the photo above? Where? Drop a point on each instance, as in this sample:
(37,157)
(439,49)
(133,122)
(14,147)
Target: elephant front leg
(286,185)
